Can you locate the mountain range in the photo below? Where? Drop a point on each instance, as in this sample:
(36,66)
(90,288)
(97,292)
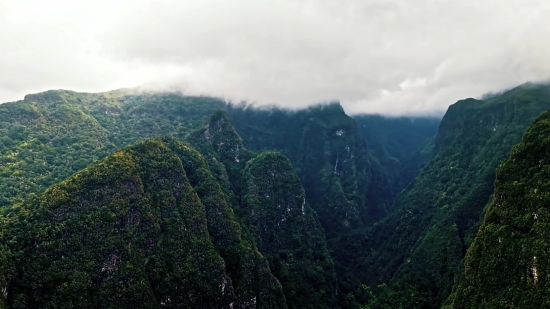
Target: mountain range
(150,200)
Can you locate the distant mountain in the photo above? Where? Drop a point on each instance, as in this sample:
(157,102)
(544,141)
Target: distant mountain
(156,200)
(49,136)
(416,251)
(344,182)
(403,145)
(507,265)
(151,226)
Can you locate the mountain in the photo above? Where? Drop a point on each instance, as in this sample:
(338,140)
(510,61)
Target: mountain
(403,145)
(330,155)
(413,256)
(49,136)
(256,208)
(507,265)
(271,202)
(132,231)
(344,181)
(152,226)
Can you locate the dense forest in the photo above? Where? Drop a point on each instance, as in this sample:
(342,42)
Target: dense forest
(149,200)
(51,135)
(507,265)
(150,226)
(345,181)
(416,252)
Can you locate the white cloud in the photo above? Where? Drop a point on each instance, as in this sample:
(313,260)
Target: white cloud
(384,56)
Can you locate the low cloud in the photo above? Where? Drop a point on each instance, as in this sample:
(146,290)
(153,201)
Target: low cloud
(392,57)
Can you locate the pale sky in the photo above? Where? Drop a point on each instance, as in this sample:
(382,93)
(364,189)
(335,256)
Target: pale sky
(374,56)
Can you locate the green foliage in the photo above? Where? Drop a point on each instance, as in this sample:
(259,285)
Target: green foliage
(403,145)
(507,265)
(343,181)
(131,231)
(49,136)
(419,247)
(248,270)
(287,232)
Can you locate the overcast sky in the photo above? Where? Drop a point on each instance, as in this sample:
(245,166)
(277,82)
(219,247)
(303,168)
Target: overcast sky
(376,56)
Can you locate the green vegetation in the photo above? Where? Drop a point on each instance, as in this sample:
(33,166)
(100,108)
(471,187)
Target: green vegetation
(403,145)
(51,135)
(287,232)
(344,182)
(418,249)
(507,265)
(270,201)
(128,231)
(151,226)
(188,217)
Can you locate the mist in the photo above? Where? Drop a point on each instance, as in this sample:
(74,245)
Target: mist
(386,57)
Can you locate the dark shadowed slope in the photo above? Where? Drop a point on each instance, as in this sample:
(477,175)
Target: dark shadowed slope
(403,145)
(269,199)
(343,181)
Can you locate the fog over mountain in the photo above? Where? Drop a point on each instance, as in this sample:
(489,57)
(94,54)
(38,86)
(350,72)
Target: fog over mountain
(390,57)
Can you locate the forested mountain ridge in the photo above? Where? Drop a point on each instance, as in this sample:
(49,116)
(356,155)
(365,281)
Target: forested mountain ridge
(329,154)
(128,231)
(155,218)
(417,250)
(507,265)
(343,180)
(258,227)
(49,136)
(271,202)
(403,145)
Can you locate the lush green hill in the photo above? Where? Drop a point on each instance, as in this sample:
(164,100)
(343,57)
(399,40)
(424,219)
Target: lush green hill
(131,231)
(49,136)
(152,226)
(507,265)
(417,250)
(270,200)
(343,180)
(403,145)
(207,222)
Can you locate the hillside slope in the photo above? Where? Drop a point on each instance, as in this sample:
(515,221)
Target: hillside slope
(49,136)
(403,145)
(129,231)
(507,265)
(270,200)
(152,226)
(417,250)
